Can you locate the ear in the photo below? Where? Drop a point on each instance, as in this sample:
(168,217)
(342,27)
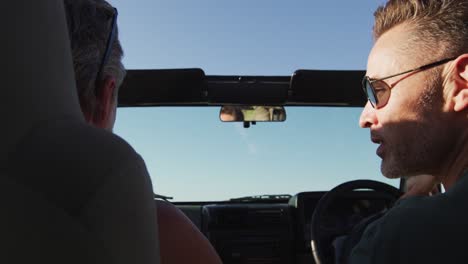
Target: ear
(105,97)
(460,91)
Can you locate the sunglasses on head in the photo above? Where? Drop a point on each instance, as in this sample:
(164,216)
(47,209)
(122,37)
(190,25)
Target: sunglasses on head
(110,41)
(378,91)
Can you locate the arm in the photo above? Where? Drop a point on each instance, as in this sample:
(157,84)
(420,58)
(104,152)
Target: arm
(180,239)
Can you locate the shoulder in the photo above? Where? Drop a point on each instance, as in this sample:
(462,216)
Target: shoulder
(180,239)
(410,232)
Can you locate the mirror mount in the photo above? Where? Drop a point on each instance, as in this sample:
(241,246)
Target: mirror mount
(252,113)
(248,123)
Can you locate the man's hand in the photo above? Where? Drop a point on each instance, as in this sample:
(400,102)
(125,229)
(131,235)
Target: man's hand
(421,185)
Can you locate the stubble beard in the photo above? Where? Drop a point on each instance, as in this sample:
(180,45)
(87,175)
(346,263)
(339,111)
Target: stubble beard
(419,147)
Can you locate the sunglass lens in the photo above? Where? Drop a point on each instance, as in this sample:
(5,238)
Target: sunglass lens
(370,92)
(381,93)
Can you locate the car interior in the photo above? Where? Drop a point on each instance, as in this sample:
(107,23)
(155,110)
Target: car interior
(48,219)
(299,228)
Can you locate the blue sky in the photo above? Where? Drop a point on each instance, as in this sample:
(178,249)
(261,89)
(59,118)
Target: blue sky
(189,153)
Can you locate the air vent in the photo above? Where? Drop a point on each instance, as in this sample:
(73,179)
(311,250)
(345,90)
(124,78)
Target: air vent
(250,234)
(268,217)
(245,217)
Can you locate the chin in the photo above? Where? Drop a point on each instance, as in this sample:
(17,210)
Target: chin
(391,170)
(391,175)
(398,170)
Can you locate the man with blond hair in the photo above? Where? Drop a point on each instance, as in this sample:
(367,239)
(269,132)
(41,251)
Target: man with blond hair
(97,58)
(417,86)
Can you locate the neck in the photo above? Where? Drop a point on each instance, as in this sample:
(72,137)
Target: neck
(457,164)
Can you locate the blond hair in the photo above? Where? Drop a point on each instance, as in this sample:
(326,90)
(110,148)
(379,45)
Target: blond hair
(439,25)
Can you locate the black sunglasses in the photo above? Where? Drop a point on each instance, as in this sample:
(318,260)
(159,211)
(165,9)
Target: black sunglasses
(110,41)
(378,91)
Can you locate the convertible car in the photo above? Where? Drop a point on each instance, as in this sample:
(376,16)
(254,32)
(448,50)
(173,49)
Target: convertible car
(285,227)
(284,181)
(251,142)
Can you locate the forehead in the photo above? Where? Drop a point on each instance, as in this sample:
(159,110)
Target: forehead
(391,54)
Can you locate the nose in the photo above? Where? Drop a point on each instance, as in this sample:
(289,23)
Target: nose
(368,116)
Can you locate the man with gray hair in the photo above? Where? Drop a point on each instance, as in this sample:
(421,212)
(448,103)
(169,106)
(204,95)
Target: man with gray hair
(97,58)
(417,87)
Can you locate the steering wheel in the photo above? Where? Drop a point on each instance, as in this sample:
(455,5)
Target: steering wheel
(322,235)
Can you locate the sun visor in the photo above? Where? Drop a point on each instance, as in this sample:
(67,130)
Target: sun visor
(159,87)
(334,88)
(193,87)
(248,90)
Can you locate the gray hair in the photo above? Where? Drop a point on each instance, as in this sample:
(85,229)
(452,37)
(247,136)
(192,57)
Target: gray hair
(89,25)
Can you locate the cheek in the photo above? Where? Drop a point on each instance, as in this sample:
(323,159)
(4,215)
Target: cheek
(114,113)
(405,117)
(395,117)
(408,92)
(112,117)
(402,127)
(401,108)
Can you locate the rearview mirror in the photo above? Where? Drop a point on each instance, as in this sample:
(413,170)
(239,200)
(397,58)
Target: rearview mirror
(247,113)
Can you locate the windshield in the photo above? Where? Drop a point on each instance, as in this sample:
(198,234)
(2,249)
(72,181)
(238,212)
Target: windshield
(190,154)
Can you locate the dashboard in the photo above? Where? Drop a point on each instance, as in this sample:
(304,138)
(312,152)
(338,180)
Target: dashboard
(259,232)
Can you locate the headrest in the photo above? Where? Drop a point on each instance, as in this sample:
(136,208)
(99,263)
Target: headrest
(37,83)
